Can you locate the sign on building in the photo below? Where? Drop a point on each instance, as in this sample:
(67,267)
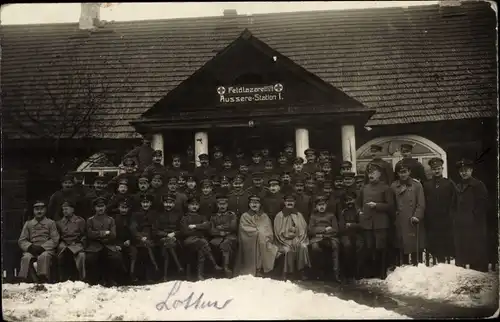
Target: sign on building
(250,93)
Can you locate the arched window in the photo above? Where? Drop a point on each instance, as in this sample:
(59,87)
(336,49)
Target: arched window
(423,150)
(98,164)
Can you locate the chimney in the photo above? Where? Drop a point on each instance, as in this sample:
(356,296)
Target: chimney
(90,15)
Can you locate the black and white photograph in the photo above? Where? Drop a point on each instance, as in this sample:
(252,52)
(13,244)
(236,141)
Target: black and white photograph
(249,160)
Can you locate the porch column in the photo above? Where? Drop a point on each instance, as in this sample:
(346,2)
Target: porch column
(200,145)
(349,145)
(301,142)
(157,144)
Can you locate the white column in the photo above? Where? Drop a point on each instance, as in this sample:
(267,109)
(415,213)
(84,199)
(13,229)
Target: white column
(157,144)
(301,142)
(200,145)
(349,145)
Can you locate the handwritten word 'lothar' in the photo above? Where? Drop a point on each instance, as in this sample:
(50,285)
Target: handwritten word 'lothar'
(190,302)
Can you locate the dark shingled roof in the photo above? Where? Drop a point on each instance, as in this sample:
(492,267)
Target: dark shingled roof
(413,64)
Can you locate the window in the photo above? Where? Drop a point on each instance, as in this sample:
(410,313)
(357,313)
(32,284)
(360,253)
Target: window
(423,151)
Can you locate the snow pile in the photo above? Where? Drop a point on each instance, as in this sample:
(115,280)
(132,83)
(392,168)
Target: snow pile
(244,297)
(443,282)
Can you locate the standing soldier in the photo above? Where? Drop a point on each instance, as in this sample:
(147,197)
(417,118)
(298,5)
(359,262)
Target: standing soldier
(166,231)
(298,170)
(38,241)
(238,197)
(121,193)
(303,202)
(157,190)
(416,168)
(194,226)
(324,231)
(376,200)
(410,209)
(286,182)
(268,169)
(257,164)
(273,201)
(180,197)
(440,203)
(204,171)
(258,187)
(73,237)
(311,188)
(360,181)
(191,190)
(283,164)
(189,162)
(223,227)
(289,152)
(99,190)
(218,158)
(345,166)
(143,154)
(265,153)
(470,222)
(144,188)
(333,201)
(387,171)
(244,173)
(177,167)
(349,183)
(123,235)
(208,205)
(227,168)
(101,237)
(181,182)
(240,157)
(311,164)
(56,200)
(225,183)
(130,174)
(351,237)
(156,166)
(82,207)
(326,167)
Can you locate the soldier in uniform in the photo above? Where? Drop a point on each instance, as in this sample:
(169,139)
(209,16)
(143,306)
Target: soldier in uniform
(326,167)
(273,200)
(289,152)
(218,158)
(215,182)
(157,190)
(189,162)
(257,164)
(227,168)
(416,168)
(387,171)
(143,154)
(73,237)
(194,226)
(345,166)
(101,245)
(283,164)
(180,197)
(311,188)
(223,226)
(360,181)
(181,182)
(351,237)
(177,167)
(470,220)
(324,155)
(156,166)
(240,157)
(123,235)
(207,199)
(225,183)
(238,197)
(265,153)
(286,182)
(244,172)
(319,178)
(166,232)
(82,206)
(303,202)
(57,198)
(204,171)
(324,230)
(268,169)
(440,203)
(144,187)
(38,241)
(130,174)
(191,190)
(333,201)
(121,193)
(99,190)
(377,203)
(410,210)
(311,164)
(141,229)
(298,170)
(349,183)
(258,187)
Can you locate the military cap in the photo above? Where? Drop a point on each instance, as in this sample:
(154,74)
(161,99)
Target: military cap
(157,175)
(190,177)
(435,162)
(326,161)
(465,163)
(148,197)
(349,194)
(224,178)
(101,179)
(206,182)
(289,196)
(243,163)
(338,178)
(157,153)
(264,149)
(69,202)
(286,172)
(256,153)
(123,181)
(143,178)
(406,147)
(239,151)
(221,196)
(176,156)
(373,166)
(189,148)
(320,199)
(39,203)
(203,156)
(349,174)
(183,174)
(257,175)
(238,178)
(346,164)
(217,148)
(324,152)
(376,147)
(128,162)
(298,160)
(403,165)
(193,200)
(319,171)
(215,178)
(67,177)
(147,137)
(172,179)
(299,181)
(269,160)
(254,197)
(99,201)
(125,202)
(227,158)
(310,151)
(359,177)
(289,145)
(169,196)
(274,178)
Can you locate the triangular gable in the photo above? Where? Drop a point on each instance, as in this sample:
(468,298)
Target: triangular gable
(248,57)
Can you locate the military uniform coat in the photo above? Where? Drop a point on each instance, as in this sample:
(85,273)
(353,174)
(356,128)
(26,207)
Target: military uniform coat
(417,169)
(132,179)
(386,168)
(193,236)
(54,210)
(208,205)
(141,225)
(304,204)
(203,172)
(272,204)
(238,202)
(229,222)
(318,223)
(73,234)
(96,239)
(380,216)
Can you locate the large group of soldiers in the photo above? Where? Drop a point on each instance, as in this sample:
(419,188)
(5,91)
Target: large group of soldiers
(245,216)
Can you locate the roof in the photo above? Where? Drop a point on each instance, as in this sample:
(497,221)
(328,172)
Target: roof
(413,64)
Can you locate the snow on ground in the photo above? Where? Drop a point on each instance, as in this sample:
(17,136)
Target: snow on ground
(244,297)
(443,282)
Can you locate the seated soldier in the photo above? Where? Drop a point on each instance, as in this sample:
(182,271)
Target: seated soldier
(101,248)
(194,226)
(180,197)
(238,197)
(123,235)
(166,231)
(156,166)
(144,186)
(130,175)
(38,241)
(286,183)
(207,199)
(290,230)
(73,236)
(141,229)
(121,193)
(223,227)
(273,200)
(258,187)
(351,239)
(303,201)
(324,229)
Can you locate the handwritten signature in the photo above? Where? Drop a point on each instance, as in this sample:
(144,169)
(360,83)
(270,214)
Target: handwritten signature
(190,302)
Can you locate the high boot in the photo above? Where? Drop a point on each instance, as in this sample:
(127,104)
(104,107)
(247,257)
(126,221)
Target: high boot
(383,263)
(335,265)
(208,253)
(173,254)
(133,278)
(227,271)
(201,268)
(165,267)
